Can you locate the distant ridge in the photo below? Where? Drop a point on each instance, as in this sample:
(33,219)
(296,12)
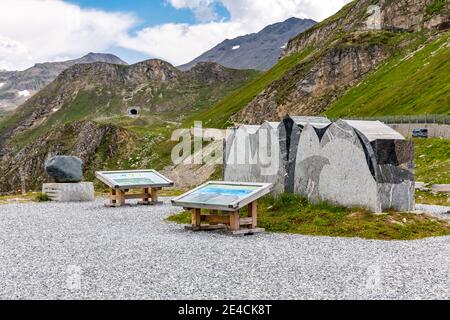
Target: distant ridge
(259,51)
(16,87)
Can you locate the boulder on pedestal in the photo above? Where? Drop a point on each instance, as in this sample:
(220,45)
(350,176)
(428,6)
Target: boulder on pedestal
(65,169)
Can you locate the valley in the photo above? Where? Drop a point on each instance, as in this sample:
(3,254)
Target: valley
(219,149)
(340,67)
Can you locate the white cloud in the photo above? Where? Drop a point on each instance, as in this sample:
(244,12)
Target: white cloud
(51,30)
(42,30)
(180,43)
(203,9)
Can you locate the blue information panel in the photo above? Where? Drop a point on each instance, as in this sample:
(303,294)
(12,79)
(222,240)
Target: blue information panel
(222,195)
(133,179)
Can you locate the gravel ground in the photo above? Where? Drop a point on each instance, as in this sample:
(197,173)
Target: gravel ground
(442,212)
(73,251)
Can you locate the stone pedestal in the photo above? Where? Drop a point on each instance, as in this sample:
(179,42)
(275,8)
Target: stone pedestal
(69,192)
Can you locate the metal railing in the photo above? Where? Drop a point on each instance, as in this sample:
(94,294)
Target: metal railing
(406,119)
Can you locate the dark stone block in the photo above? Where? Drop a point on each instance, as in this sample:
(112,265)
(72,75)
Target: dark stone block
(404,149)
(385,152)
(389,173)
(393,152)
(65,169)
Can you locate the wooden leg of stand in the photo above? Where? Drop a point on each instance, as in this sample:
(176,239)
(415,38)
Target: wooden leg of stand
(253,213)
(154,194)
(234,221)
(112,197)
(120,197)
(196,217)
(145,199)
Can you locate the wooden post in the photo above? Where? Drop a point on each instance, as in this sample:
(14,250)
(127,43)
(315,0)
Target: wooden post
(196,217)
(253,213)
(234,221)
(120,197)
(112,195)
(154,196)
(145,199)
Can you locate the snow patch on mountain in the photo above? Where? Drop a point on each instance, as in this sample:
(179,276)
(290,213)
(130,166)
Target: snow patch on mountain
(24,93)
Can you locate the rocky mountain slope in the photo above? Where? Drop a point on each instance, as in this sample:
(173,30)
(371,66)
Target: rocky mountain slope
(96,144)
(258,51)
(324,64)
(371,58)
(18,86)
(86,107)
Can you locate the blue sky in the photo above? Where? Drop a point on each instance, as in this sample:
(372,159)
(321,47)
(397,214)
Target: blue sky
(151,12)
(173,30)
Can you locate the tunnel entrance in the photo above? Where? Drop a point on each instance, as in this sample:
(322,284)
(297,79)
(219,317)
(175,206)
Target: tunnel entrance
(134,112)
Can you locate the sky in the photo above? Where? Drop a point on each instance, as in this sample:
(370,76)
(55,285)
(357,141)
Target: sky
(34,31)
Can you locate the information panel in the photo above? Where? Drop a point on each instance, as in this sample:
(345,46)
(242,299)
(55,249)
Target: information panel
(227,196)
(133,179)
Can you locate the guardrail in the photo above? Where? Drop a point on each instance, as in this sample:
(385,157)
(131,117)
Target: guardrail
(400,119)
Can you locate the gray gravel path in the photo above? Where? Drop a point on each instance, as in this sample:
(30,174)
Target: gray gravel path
(67,251)
(442,212)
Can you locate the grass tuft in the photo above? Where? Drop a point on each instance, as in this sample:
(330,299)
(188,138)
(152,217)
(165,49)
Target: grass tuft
(42,197)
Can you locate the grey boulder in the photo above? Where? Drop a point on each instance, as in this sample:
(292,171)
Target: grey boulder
(64,169)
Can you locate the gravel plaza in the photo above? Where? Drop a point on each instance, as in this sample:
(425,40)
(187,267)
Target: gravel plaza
(86,251)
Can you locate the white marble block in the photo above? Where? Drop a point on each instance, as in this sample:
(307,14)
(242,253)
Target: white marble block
(69,192)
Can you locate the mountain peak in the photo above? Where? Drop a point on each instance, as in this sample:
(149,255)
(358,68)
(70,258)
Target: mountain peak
(258,51)
(41,74)
(100,57)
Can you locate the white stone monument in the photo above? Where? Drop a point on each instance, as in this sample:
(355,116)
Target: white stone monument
(69,192)
(67,173)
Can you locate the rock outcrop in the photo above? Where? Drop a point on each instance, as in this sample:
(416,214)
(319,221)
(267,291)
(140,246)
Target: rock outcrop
(94,144)
(341,51)
(311,86)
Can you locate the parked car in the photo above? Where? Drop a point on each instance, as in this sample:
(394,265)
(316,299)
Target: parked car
(420,133)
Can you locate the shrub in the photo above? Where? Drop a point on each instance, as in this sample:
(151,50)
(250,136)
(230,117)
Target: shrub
(42,197)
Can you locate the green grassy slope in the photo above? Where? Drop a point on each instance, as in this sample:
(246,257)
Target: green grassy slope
(218,115)
(161,104)
(415,84)
(432,160)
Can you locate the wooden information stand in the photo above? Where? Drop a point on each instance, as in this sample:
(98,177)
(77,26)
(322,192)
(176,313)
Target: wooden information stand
(226,216)
(232,221)
(117,197)
(121,182)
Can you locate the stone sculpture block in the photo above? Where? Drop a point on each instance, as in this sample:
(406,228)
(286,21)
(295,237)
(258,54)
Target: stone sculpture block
(65,169)
(351,163)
